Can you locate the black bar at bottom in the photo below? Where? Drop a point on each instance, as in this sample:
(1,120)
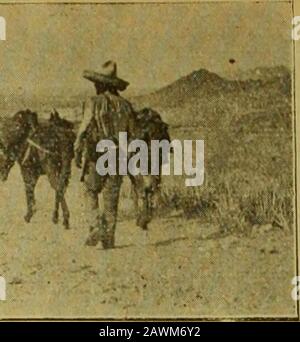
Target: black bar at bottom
(131,331)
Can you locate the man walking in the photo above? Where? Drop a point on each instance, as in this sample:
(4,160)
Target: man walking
(105,115)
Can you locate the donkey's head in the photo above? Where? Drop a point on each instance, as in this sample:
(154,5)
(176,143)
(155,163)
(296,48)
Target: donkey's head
(152,125)
(56,120)
(17,131)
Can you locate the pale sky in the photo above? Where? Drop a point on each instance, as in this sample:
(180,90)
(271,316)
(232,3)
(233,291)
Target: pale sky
(49,46)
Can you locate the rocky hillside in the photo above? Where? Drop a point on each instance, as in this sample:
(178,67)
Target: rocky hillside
(205,98)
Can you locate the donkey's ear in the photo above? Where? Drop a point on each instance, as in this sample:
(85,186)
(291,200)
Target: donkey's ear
(33,119)
(54,113)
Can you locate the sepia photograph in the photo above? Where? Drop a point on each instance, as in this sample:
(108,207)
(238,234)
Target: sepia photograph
(148,161)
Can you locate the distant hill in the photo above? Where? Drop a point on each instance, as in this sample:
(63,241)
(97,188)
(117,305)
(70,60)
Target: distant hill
(204,98)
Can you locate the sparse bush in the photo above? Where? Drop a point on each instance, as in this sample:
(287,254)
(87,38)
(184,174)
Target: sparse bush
(191,202)
(235,203)
(269,206)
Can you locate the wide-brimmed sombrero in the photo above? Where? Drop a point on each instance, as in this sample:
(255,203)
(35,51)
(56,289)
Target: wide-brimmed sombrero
(108,75)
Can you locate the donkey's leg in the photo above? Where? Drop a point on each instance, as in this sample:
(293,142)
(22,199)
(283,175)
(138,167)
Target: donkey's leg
(58,173)
(66,213)
(55,213)
(92,207)
(62,183)
(30,178)
(144,192)
(139,199)
(155,193)
(51,172)
(134,193)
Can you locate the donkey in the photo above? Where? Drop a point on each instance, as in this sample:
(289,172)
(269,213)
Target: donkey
(149,126)
(40,149)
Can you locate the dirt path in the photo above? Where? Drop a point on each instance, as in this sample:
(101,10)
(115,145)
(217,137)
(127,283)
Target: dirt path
(177,270)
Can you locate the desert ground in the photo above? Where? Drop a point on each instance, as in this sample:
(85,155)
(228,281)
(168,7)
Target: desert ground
(180,268)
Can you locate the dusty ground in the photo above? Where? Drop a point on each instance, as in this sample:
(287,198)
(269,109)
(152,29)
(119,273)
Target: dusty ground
(179,269)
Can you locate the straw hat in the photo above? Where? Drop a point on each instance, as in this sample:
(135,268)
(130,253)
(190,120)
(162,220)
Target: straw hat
(108,76)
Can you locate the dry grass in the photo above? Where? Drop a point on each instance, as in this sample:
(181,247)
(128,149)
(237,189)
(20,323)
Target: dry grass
(233,203)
